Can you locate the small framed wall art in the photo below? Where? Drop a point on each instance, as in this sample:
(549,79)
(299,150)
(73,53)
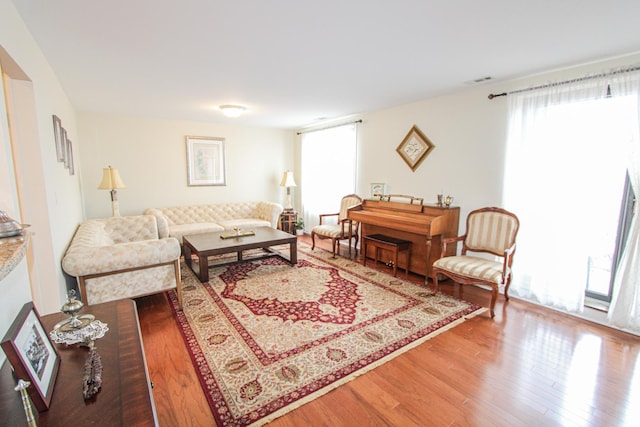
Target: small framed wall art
(414,148)
(57,132)
(64,147)
(32,356)
(205,161)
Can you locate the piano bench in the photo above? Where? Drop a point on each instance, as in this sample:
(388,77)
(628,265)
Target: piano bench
(380,241)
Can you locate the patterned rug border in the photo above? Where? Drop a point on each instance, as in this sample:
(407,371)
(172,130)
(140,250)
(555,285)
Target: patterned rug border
(189,337)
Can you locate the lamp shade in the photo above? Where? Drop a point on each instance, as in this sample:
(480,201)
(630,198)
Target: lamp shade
(287,180)
(111,179)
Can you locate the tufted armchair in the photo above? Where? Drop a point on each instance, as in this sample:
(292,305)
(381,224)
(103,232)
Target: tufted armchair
(343,229)
(489,230)
(122,257)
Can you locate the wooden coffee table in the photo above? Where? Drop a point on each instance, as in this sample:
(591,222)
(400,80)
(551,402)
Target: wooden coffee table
(207,244)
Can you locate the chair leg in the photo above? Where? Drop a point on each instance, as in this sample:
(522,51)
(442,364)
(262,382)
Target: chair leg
(506,289)
(176,270)
(494,297)
(333,244)
(435,282)
(313,240)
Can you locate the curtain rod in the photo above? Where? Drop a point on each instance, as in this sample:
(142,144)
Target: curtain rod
(329,127)
(580,79)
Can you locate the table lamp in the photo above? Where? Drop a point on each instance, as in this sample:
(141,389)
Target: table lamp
(288,182)
(111,181)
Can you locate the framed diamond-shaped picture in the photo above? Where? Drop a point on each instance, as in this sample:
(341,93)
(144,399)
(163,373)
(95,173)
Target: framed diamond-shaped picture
(414,148)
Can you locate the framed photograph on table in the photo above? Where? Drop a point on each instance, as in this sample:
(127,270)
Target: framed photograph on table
(378,189)
(205,161)
(32,355)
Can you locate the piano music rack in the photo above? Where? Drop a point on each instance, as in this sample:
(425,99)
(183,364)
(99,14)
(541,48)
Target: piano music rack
(412,200)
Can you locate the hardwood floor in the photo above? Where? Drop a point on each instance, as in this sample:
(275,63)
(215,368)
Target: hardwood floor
(529,366)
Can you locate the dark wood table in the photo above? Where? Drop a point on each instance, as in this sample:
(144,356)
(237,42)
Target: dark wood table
(207,244)
(125,398)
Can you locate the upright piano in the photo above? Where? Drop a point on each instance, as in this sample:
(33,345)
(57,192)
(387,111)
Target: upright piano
(423,225)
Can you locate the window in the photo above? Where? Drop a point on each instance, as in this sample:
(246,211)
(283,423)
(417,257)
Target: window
(328,170)
(565,174)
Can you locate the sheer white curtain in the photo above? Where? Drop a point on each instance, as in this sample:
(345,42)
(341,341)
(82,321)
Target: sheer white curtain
(624,311)
(564,172)
(328,170)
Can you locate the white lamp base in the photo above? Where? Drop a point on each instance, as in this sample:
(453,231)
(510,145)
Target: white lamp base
(115,206)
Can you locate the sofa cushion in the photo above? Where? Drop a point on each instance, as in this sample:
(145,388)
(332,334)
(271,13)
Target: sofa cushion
(178,231)
(244,223)
(130,229)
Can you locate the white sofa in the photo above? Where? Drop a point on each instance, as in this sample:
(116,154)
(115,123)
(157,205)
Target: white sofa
(180,221)
(122,257)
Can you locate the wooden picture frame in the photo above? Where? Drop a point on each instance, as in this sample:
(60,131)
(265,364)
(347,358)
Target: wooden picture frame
(414,148)
(57,133)
(69,163)
(205,161)
(65,146)
(32,355)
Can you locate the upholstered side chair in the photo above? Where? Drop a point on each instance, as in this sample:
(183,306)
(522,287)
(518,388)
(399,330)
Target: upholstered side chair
(490,231)
(343,229)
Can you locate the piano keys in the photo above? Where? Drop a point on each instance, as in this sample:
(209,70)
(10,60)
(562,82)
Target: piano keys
(424,225)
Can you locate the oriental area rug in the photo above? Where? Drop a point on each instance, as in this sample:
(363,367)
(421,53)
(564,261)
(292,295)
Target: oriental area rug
(266,337)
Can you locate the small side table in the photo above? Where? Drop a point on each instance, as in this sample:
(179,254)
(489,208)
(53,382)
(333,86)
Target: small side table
(288,221)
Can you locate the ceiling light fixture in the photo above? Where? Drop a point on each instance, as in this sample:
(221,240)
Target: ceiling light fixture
(232,110)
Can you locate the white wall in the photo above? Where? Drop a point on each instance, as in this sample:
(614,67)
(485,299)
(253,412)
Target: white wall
(151,157)
(44,194)
(469,134)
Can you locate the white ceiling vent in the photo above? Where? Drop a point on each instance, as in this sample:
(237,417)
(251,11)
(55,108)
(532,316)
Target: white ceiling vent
(478,81)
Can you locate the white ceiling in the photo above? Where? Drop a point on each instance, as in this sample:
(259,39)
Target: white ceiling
(294,62)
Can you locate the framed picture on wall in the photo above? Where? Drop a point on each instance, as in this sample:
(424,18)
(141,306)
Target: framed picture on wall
(57,133)
(32,355)
(414,148)
(65,146)
(69,162)
(205,161)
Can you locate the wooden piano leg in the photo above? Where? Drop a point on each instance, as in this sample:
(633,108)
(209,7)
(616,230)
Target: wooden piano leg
(428,264)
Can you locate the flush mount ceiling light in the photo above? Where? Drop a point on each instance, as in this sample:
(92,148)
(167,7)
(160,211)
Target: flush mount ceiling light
(232,110)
